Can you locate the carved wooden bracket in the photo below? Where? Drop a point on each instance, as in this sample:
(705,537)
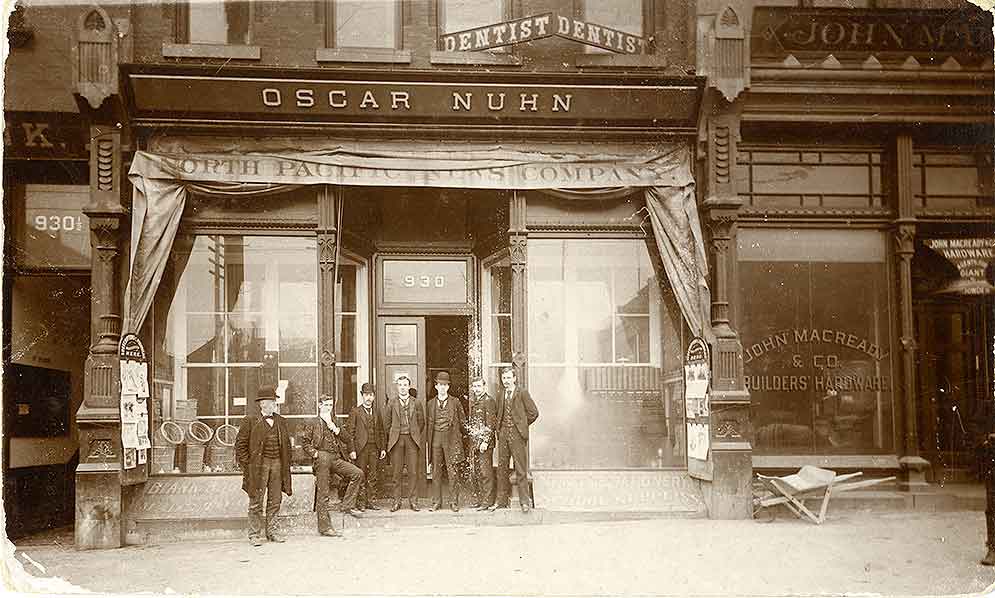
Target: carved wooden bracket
(95,56)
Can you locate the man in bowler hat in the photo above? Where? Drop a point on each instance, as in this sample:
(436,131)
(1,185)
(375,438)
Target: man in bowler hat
(262,448)
(515,413)
(404,421)
(367,444)
(328,446)
(444,438)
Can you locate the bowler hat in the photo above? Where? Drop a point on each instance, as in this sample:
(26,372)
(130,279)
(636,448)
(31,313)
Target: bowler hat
(366,389)
(266,392)
(442,377)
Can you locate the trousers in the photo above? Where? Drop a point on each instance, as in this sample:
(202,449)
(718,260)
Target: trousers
(367,459)
(405,452)
(482,475)
(325,465)
(511,445)
(442,454)
(269,492)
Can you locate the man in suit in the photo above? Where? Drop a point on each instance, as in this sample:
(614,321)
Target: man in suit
(481,424)
(262,448)
(515,413)
(366,435)
(404,420)
(444,438)
(328,446)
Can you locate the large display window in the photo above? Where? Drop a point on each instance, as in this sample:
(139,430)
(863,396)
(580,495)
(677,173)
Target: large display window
(816,326)
(229,307)
(595,356)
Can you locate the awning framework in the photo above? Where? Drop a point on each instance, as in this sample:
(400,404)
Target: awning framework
(164,178)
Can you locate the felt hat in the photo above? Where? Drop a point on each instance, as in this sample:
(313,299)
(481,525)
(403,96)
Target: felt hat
(266,392)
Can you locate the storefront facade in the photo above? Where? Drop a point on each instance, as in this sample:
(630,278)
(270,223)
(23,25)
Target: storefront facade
(576,191)
(863,153)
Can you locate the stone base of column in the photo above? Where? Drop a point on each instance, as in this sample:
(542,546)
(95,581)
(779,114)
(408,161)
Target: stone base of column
(730,494)
(913,474)
(98,510)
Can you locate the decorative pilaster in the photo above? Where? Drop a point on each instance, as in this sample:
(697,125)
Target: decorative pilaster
(328,211)
(913,465)
(730,428)
(98,476)
(518,248)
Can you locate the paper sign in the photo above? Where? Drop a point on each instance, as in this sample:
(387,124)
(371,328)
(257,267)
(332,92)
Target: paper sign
(143,456)
(698,441)
(130,458)
(281,391)
(129,435)
(129,409)
(238,401)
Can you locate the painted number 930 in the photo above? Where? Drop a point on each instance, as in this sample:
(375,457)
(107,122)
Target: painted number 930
(58,223)
(424,281)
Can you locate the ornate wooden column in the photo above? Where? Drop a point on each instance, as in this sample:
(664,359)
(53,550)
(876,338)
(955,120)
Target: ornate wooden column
(912,464)
(98,476)
(730,429)
(518,246)
(329,206)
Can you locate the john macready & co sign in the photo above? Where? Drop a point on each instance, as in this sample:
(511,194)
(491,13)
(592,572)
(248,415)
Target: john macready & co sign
(603,102)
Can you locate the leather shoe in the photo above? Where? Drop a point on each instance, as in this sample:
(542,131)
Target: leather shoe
(353,512)
(435,507)
(500,506)
(484,507)
(372,507)
(413,505)
(331,533)
(525,507)
(454,507)
(473,505)
(276,538)
(395,507)
(256,541)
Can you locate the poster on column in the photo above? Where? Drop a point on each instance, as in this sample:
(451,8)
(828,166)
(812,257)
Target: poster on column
(135,395)
(697,380)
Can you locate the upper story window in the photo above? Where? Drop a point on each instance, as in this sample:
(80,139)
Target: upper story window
(363,24)
(459,15)
(223,22)
(630,16)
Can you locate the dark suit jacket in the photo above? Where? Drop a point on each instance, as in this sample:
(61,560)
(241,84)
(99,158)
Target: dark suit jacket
(360,434)
(523,410)
(485,409)
(454,438)
(392,421)
(249,452)
(316,434)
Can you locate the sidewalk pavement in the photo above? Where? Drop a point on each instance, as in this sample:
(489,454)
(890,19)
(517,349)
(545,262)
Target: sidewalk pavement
(922,554)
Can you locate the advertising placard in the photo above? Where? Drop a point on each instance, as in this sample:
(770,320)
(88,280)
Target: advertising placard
(697,379)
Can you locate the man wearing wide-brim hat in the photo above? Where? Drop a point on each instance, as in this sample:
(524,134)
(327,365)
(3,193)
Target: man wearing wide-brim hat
(444,440)
(263,451)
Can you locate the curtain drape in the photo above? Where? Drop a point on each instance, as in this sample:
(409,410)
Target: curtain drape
(163,181)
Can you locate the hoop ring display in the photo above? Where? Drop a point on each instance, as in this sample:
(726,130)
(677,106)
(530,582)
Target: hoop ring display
(171,431)
(223,437)
(200,431)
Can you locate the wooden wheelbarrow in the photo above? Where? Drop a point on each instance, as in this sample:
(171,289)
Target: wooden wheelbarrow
(809,483)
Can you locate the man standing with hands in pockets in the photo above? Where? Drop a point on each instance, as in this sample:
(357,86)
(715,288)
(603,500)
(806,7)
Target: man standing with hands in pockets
(481,424)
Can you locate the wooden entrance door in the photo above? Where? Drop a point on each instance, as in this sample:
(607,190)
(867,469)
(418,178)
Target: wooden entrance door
(953,380)
(400,350)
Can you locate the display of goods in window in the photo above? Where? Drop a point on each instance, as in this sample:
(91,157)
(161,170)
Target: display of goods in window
(198,435)
(221,450)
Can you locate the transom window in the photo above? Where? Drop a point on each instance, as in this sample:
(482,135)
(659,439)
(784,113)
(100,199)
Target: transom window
(459,15)
(224,22)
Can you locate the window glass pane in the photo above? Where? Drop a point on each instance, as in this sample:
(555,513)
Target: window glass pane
(596,375)
(621,15)
(233,303)
(817,344)
(221,22)
(365,23)
(345,289)
(206,387)
(401,339)
(295,426)
(345,332)
(302,391)
(458,15)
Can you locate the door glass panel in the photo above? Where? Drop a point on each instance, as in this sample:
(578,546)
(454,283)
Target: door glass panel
(401,339)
